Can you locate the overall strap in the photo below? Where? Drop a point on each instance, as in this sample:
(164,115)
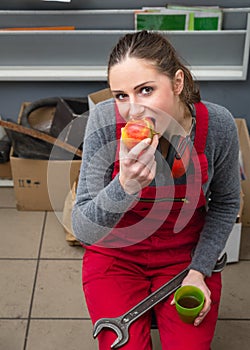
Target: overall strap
(202,119)
(201,127)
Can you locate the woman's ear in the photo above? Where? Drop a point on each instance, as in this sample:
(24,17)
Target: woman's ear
(178,81)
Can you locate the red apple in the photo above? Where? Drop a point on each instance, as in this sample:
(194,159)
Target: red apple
(137,130)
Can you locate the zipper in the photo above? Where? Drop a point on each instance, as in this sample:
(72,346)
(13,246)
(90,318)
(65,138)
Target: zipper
(164,199)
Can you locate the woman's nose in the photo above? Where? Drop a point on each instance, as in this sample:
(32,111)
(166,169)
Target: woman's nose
(136,110)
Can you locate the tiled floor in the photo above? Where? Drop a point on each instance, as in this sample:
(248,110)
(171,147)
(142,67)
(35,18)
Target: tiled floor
(41,301)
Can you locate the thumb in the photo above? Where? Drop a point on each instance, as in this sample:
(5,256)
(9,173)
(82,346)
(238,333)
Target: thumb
(172,302)
(123,149)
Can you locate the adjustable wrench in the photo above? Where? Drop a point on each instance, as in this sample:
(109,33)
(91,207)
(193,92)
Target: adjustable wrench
(120,325)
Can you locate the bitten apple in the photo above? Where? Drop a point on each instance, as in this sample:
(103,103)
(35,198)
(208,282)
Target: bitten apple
(137,130)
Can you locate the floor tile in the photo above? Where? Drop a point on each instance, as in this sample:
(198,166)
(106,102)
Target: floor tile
(16,287)
(7,197)
(235,302)
(67,334)
(12,334)
(245,243)
(60,335)
(20,233)
(58,290)
(54,242)
(232,335)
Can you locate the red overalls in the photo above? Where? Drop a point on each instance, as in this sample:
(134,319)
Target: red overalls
(116,279)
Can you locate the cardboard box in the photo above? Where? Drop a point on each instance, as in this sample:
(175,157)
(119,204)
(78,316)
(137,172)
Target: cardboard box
(245,152)
(99,96)
(5,171)
(233,243)
(232,247)
(42,184)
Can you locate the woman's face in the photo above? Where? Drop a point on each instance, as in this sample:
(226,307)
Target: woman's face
(140,90)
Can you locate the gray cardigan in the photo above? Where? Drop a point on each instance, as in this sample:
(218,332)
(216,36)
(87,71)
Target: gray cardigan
(101,201)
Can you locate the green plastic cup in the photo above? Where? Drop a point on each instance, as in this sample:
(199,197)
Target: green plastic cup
(189,301)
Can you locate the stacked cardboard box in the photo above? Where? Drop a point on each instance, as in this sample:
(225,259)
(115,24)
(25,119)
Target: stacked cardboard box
(5,171)
(5,168)
(42,184)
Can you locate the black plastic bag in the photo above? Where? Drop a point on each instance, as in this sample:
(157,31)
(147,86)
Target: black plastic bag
(68,122)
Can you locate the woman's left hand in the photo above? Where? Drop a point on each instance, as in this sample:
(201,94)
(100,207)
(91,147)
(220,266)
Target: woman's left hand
(196,278)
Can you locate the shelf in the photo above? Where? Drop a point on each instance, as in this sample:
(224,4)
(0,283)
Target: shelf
(81,19)
(87,73)
(219,73)
(46,73)
(82,54)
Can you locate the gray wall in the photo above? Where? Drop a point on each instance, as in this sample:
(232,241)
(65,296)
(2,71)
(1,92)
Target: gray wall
(235,95)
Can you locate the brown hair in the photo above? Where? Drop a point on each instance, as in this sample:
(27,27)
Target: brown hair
(156,48)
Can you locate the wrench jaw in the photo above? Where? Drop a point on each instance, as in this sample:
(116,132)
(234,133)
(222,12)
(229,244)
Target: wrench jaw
(122,335)
(120,341)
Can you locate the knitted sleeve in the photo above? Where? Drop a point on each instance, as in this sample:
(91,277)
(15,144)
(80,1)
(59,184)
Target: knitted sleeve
(100,201)
(222,188)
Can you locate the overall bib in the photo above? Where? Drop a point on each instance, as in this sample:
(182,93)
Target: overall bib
(165,224)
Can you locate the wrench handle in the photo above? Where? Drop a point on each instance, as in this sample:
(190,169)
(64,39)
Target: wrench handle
(148,303)
(163,292)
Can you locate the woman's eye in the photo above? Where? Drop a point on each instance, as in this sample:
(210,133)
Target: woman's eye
(120,97)
(146,90)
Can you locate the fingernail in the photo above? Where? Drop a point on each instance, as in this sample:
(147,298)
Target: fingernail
(148,141)
(196,323)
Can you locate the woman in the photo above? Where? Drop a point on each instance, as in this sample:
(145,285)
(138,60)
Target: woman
(142,223)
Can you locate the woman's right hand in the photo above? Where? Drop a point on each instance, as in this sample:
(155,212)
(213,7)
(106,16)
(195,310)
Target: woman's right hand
(138,165)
